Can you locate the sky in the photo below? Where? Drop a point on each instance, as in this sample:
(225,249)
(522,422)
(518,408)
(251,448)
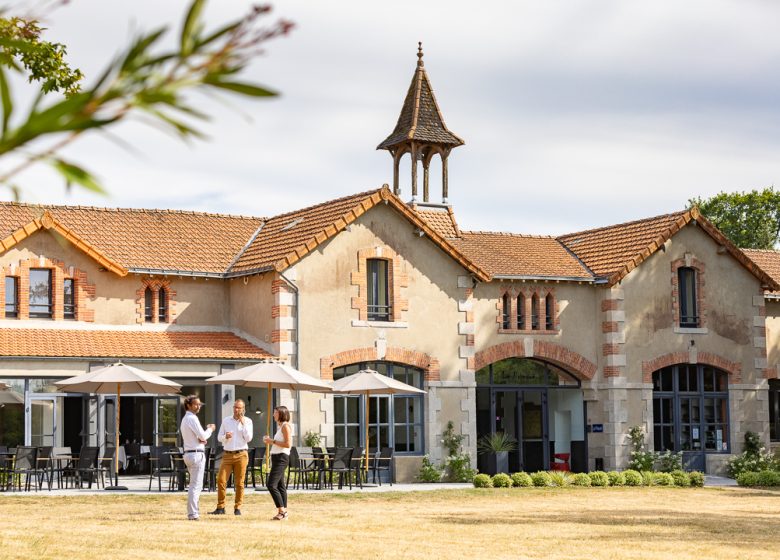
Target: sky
(576,113)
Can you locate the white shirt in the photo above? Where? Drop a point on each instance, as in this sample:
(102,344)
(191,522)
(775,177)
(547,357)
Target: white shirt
(279,436)
(192,432)
(242,433)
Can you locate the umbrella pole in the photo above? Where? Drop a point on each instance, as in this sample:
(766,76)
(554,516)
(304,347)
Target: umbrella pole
(368,404)
(115,485)
(268,430)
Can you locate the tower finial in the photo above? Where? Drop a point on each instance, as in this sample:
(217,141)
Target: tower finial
(419,54)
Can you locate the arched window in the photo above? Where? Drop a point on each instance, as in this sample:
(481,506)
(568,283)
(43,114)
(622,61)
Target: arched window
(535,312)
(148,305)
(686,286)
(506,312)
(521,312)
(162,305)
(549,308)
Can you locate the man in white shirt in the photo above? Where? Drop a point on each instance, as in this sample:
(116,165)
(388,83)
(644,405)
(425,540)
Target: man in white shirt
(194,439)
(235,433)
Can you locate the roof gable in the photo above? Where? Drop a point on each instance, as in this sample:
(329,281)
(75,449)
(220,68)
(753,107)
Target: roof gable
(614,251)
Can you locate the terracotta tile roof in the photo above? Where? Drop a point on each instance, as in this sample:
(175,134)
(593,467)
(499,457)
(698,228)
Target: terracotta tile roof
(145,239)
(420,117)
(767,260)
(284,240)
(614,251)
(73,343)
(442,220)
(606,250)
(506,254)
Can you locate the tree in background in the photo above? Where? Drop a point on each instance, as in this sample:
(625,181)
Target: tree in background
(751,220)
(144,81)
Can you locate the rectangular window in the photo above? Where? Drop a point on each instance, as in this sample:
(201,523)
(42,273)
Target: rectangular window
(378,299)
(68,299)
(549,308)
(774,409)
(521,312)
(506,312)
(40,293)
(686,278)
(11,296)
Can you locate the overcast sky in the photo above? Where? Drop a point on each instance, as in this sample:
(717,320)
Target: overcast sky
(576,114)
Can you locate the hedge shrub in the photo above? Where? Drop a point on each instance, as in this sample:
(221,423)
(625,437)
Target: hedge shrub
(633,478)
(598,478)
(521,480)
(696,478)
(483,481)
(541,478)
(502,480)
(580,479)
(616,478)
(663,479)
(681,478)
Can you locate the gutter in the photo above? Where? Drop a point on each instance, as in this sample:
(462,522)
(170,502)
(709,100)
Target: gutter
(588,280)
(130,359)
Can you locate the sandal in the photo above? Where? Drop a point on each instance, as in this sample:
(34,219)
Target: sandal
(280,516)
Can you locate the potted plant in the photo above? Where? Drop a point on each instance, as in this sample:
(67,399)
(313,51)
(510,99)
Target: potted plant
(497,447)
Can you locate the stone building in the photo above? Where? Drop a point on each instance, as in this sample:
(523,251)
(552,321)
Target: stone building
(563,342)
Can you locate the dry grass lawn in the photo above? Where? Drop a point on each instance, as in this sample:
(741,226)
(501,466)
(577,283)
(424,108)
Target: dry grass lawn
(530,523)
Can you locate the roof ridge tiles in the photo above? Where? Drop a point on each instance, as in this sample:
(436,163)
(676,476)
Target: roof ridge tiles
(678,215)
(507,234)
(760,250)
(136,210)
(359,195)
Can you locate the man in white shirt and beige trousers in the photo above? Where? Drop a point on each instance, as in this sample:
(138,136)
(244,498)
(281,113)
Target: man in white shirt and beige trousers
(235,433)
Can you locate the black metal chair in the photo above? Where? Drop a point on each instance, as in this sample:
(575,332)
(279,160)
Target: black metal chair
(160,465)
(212,466)
(296,469)
(341,464)
(250,468)
(45,464)
(358,464)
(24,465)
(133,457)
(179,472)
(106,465)
(383,462)
(86,468)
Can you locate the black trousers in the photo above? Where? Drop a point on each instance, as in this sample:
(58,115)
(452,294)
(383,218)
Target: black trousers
(276,481)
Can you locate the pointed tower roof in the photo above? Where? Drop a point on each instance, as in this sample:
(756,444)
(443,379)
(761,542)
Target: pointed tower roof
(420,119)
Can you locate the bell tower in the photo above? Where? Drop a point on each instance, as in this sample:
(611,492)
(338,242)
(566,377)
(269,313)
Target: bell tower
(421,133)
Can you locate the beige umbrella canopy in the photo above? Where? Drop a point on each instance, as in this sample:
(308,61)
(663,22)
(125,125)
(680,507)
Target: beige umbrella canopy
(112,380)
(9,396)
(369,382)
(270,375)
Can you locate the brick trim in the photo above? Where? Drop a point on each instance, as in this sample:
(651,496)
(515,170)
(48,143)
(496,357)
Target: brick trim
(689,261)
(734,369)
(396,279)
(557,354)
(82,289)
(155,285)
(527,293)
(429,365)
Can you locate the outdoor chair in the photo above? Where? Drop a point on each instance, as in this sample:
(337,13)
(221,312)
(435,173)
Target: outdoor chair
(86,467)
(160,465)
(179,472)
(106,465)
(358,457)
(212,466)
(296,469)
(383,462)
(25,465)
(45,466)
(341,464)
(250,468)
(133,457)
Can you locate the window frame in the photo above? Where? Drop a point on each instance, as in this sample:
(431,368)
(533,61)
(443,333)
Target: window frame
(50,303)
(14,314)
(375,308)
(774,409)
(390,423)
(148,305)
(162,305)
(686,280)
(69,309)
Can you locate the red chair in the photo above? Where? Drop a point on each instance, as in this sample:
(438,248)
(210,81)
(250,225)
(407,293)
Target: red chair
(560,462)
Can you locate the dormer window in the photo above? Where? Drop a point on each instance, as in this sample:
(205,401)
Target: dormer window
(379,308)
(686,282)
(40,293)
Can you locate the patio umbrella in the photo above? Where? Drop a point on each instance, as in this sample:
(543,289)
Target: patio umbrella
(369,382)
(112,380)
(9,396)
(270,375)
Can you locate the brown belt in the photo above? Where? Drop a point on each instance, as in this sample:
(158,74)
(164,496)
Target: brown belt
(239,451)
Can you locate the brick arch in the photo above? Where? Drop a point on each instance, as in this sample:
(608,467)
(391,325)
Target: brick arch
(734,369)
(576,364)
(428,364)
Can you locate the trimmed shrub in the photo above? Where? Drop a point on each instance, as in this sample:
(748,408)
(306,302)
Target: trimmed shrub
(580,479)
(502,480)
(598,478)
(663,479)
(648,478)
(769,478)
(428,472)
(681,478)
(521,480)
(483,481)
(616,478)
(696,478)
(541,478)
(560,478)
(747,479)
(632,478)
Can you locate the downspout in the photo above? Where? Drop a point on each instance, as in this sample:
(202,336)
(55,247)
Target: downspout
(297,351)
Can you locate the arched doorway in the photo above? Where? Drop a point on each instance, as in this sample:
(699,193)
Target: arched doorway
(538,404)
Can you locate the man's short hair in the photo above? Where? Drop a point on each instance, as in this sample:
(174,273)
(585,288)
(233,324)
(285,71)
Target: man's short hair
(188,400)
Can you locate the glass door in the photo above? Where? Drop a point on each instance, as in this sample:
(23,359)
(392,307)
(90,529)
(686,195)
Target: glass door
(508,421)
(43,421)
(167,417)
(535,440)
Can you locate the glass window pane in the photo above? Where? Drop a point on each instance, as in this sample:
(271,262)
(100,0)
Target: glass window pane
(148,308)
(353,410)
(667,379)
(340,437)
(11,296)
(721,381)
(40,292)
(338,409)
(353,436)
(402,444)
(399,409)
(69,309)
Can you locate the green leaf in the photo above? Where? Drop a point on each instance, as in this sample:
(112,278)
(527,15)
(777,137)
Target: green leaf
(5,95)
(219,33)
(190,28)
(140,47)
(75,174)
(242,88)
(180,127)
